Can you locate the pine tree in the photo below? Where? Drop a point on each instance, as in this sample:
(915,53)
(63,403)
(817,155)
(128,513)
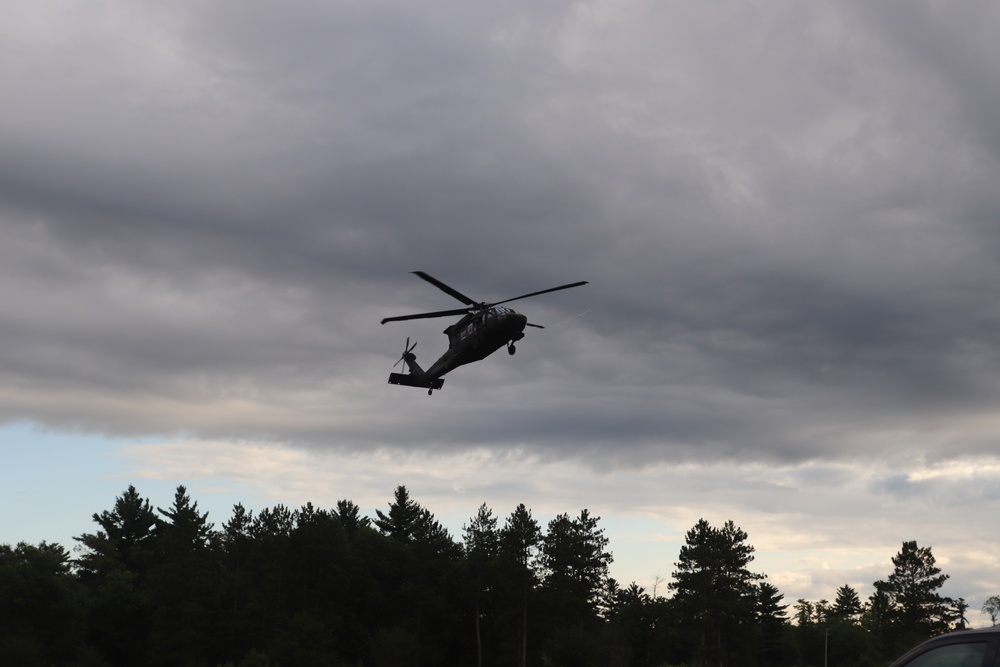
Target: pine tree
(631,624)
(405,519)
(482,546)
(350,517)
(185,582)
(125,541)
(846,606)
(519,540)
(915,606)
(410,523)
(114,565)
(40,621)
(480,535)
(575,560)
(772,618)
(238,547)
(427,560)
(715,590)
(805,612)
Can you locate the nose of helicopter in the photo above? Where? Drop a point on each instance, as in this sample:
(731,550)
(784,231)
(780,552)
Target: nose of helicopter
(512,323)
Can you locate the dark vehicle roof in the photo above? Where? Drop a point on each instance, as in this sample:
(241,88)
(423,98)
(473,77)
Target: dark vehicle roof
(956,637)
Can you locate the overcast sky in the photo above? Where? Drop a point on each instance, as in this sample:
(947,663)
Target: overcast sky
(788,214)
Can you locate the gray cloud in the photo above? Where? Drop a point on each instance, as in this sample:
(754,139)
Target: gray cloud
(785,215)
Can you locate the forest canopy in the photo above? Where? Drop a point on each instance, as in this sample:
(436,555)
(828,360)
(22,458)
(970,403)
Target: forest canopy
(314,586)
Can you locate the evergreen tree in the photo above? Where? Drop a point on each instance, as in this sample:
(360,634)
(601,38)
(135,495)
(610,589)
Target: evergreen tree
(402,521)
(125,541)
(631,626)
(519,540)
(772,621)
(915,608)
(834,632)
(187,530)
(821,612)
(480,536)
(876,616)
(350,517)
(846,606)
(114,566)
(714,590)
(185,584)
(317,588)
(40,621)
(805,613)
(238,547)
(266,567)
(769,605)
(481,540)
(575,561)
(428,560)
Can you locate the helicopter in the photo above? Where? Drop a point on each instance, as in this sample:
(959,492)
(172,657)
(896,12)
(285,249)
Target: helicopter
(483,329)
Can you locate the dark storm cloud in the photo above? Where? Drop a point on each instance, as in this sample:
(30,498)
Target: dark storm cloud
(786,218)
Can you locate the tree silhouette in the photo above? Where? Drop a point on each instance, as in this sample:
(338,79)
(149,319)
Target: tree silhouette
(350,517)
(185,582)
(39,616)
(575,561)
(772,619)
(846,606)
(125,541)
(519,540)
(481,540)
(319,586)
(402,521)
(114,565)
(915,609)
(991,607)
(715,591)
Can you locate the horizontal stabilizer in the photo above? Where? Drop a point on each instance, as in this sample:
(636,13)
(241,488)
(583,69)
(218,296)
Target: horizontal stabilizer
(410,380)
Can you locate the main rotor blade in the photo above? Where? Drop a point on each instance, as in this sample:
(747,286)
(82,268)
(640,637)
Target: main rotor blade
(544,291)
(420,316)
(445,288)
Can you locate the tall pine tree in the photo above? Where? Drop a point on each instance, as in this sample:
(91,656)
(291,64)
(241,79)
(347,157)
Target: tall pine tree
(717,593)
(914,609)
(519,540)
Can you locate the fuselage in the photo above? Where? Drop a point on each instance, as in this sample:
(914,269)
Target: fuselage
(477,336)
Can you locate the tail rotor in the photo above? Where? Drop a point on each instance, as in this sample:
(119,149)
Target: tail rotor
(407,355)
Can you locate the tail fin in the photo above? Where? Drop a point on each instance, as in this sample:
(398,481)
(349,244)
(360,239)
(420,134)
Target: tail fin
(410,359)
(416,377)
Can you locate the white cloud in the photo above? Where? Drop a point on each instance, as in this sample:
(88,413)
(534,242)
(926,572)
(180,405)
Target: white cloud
(815,528)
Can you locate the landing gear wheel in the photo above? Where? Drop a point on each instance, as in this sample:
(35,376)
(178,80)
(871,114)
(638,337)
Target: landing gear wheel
(430,391)
(511,349)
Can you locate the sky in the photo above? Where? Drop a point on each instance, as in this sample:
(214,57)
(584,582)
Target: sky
(787,213)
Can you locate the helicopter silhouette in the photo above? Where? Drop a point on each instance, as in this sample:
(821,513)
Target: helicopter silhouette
(483,329)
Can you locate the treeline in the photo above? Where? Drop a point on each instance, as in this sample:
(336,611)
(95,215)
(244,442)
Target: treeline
(332,587)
